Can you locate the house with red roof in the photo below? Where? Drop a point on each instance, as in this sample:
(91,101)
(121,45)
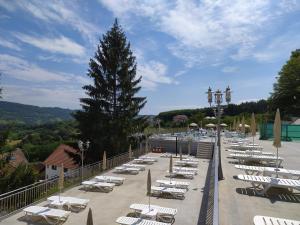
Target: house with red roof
(62,155)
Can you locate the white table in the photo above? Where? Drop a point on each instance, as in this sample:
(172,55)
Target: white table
(149,213)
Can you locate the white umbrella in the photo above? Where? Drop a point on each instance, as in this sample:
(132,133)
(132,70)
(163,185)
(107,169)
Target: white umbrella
(253,126)
(223,125)
(146,147)
(234,124)
(104,161)
(130,152)
(193,125)
(277,135)
(243,126)
(89,220)
(171,167)
(180,151)
(61,179)
(149,186)
(210,125)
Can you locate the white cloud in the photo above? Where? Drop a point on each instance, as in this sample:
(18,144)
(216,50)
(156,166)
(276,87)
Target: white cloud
(208,31)
(229,69)
(62,44)
(21,69)
(63,12)
(279,48)
(9,44)
(58,96)
(153,73)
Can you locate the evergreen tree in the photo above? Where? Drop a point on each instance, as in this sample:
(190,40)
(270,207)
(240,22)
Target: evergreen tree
(286,91)
(110,112)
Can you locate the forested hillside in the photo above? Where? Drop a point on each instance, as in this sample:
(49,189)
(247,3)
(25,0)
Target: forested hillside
(258,107)
(17,113)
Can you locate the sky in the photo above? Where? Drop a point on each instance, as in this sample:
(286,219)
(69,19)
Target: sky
(182,47)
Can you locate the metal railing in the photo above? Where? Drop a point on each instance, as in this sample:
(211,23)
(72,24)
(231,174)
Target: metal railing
(22,197)
(209,213)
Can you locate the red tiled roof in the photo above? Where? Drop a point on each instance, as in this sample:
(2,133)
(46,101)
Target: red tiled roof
(60,155)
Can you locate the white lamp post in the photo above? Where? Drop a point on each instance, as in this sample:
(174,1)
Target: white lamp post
(218,111)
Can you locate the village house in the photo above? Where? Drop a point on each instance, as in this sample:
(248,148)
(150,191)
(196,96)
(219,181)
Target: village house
(62,155)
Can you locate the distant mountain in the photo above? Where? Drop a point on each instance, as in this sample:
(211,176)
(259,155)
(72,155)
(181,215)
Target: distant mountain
(29,114)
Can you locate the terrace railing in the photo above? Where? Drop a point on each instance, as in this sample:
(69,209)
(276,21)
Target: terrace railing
(24,196)
(209,213)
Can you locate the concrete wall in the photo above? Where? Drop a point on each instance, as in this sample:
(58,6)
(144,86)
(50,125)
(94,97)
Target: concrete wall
(170,145)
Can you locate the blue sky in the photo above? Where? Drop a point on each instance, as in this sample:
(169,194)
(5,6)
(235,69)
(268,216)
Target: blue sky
(182,48)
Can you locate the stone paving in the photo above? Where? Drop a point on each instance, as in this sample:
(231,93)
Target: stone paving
(107,207)
(239,204)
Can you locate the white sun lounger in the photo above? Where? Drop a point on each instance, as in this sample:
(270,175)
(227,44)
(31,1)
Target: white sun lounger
(245,147)
(266,220)
(110,179)
(251,152)
(185,169)
(163,214)
(173,184)
(72,203)
(168,155)
(101,186)
(269,171)
(51,216)
(190,160)
(173,192)
(271,160)
(130,165)
(144,161)
(128,170)
(149,157)
(186,163)
(184,174)
(262,184)
(124,220)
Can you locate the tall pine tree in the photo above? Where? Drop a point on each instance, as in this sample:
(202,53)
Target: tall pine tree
(286,91)
(109,114)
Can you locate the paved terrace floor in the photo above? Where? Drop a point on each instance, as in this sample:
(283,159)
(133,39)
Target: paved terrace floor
(107,207)
(239,204)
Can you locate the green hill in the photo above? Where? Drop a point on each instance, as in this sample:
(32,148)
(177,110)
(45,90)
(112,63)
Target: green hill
(11,112)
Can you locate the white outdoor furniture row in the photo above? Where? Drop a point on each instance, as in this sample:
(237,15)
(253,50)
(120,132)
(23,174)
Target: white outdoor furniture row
(180,173)
(173,184)
(185,169)
(136,166)
(243,158)
(51,216)
(128,170)
(262,184)
(110,179)
(71,203)
(269,171)
(149,158)
(190,159)
(144,161)
(251,152)
(98,186)
(162,214)
(124,220)
(159,191)
(168,155)
(244,147)
(186,163)
(266,220)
